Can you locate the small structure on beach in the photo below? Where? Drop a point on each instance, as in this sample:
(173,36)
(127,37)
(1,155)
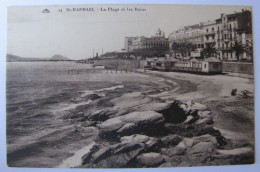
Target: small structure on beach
(210,65)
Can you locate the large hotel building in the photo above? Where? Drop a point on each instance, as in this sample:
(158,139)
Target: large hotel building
(141,42)
(222,33)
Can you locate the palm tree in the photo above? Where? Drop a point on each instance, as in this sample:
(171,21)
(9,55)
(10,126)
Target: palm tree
(209,51)
(238,48)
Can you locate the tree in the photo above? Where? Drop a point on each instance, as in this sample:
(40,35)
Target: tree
(175,47)
(249,48)
(238,48)
(183,48)
(190,47)
(209,51)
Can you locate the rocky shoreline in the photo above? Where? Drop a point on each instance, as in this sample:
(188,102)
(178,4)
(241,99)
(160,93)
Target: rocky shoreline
(138,130)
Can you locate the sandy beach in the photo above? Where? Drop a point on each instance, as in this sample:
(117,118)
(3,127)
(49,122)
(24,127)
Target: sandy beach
(233,115)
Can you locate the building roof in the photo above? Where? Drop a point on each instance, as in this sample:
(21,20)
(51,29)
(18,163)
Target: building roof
(193,60)
(212,59)
(172,60)
(150,60)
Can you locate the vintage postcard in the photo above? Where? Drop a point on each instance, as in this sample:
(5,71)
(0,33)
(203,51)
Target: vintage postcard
(129,86)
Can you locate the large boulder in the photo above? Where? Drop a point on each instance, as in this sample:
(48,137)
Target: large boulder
(171,140)
(202,147)
(101,154)
(111,125)
(137,138)
(176,150)
(206,138)
(132,123)
(146,117)
(122,154)
(151,159)
(135,141)
(122,160)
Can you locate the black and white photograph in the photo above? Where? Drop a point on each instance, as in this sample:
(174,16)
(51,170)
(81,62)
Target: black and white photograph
(129,86)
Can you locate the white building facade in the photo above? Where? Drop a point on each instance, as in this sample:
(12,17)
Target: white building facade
(222,33)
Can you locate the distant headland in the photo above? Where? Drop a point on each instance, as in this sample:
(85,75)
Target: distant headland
(56,57)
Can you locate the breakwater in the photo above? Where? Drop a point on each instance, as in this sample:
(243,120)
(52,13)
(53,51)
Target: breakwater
(120,63)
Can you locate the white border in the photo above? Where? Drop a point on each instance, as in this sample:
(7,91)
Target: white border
(3,18)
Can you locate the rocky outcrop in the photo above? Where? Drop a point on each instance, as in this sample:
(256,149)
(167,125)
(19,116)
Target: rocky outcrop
(136,130)
(172,134)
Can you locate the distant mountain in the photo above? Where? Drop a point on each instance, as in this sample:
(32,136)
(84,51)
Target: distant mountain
(14,58)
(59,57)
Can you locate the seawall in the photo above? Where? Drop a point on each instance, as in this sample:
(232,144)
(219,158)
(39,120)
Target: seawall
(238,67)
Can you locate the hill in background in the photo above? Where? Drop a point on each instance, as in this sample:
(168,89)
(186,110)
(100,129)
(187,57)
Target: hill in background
(14,58)
(58,57)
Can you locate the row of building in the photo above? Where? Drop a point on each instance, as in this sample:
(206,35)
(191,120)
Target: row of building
(222,33)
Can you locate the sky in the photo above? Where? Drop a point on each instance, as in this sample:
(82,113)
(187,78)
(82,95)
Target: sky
(77,34)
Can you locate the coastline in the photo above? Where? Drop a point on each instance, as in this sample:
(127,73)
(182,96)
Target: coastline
(196,88)
(167,115)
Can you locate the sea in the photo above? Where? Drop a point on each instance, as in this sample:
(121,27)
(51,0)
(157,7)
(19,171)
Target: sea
(37,95)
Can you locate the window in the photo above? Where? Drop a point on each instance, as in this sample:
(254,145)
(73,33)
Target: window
(205,65)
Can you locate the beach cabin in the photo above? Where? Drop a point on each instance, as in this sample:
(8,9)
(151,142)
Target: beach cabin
(172,62)
(211,65)
(159,64)
(195,65)
(148,63)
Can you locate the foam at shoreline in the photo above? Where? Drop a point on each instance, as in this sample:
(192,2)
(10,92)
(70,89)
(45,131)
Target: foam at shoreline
(75,160)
